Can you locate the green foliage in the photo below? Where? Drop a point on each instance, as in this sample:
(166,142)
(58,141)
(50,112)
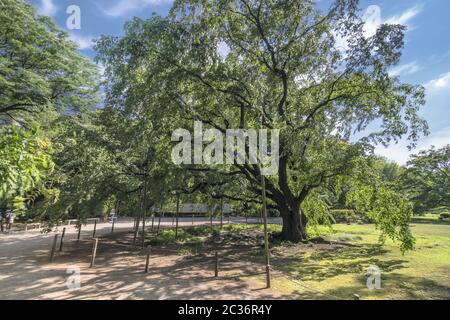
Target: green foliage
(427,179)
(317,210)
(281,65)
(281,70)
(387,209)
(25,161)
(42,77)
(344,215)
(39,65)
(190,235)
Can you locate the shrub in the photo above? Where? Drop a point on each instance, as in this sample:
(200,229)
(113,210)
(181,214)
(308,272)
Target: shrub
(348,216)
(343,215)
(443,216)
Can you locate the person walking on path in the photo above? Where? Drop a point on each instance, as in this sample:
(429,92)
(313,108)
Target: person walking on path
(10,217)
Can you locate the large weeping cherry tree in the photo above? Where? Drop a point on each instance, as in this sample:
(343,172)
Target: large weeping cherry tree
(318,77)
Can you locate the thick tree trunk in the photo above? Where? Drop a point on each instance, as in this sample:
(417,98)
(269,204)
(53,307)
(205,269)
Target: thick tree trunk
(294,220)
(294,224)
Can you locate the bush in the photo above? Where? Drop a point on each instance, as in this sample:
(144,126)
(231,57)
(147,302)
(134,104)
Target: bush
(343,215)
(348,216)
(443,216)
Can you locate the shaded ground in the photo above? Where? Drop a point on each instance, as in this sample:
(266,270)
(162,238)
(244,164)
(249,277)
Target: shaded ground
(340,271)
(333,268)
(26,273)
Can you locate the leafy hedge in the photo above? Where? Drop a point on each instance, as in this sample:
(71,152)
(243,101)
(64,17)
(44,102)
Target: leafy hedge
(443,216)
(347,216)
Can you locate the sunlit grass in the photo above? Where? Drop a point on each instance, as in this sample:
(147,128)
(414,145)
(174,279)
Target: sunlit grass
(423,273)
(336,271)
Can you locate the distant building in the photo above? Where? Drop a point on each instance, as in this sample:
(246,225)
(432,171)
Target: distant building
(197,209)
(200,208)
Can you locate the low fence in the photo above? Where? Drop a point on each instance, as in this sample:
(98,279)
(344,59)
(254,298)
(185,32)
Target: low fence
(153,220)
(75,221)
(22,227)
(215,257)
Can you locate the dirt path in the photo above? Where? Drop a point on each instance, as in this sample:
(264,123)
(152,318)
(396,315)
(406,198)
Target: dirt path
(26,273)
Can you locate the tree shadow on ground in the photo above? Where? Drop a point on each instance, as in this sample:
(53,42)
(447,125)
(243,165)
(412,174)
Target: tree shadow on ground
(395,286)
(119,274)
(340,260)
(419,220)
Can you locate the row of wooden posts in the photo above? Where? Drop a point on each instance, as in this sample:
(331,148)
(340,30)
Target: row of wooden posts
(61,243)
(94,253)
(147,259)
(112,230)
(136,227)
(55,242)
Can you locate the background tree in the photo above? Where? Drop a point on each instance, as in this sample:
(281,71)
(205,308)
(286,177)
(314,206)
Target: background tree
(39,66)
(427,179)
(42,77)
(25,162)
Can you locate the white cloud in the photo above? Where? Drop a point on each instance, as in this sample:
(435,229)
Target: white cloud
(83,42)
(439,57)
(405,69)
(47,8)
(123,7)
(405,16)
(102,70)
(400,153)
(373,19)
(440,83)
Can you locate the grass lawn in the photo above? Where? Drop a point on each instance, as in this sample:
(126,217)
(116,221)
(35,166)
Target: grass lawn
(338,271)
(341,272)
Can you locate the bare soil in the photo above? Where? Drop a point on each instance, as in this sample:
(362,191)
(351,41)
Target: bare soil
(27,273)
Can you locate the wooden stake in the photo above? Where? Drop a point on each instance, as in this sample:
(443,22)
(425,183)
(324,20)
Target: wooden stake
(144,208)
(94,253)
(264,216)
(153,221)
(52,252)
(143,231)
(147,260)
(136,230)
(116,215)
(178,213)
(62,239)
(192,219)
(221,214)
(159,223)
(216,265)
(95,228)
(266,236)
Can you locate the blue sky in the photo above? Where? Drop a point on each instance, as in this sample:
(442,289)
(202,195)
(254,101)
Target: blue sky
(425,60)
